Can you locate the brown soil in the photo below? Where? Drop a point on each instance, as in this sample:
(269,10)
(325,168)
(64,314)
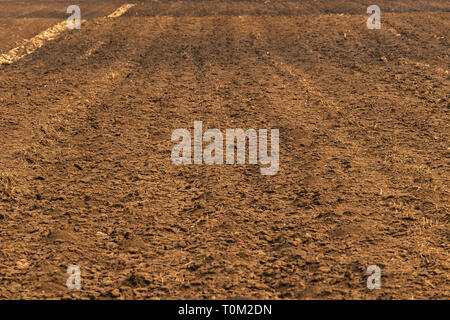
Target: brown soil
(86,176)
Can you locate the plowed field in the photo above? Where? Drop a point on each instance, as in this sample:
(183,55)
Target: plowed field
(86,176)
